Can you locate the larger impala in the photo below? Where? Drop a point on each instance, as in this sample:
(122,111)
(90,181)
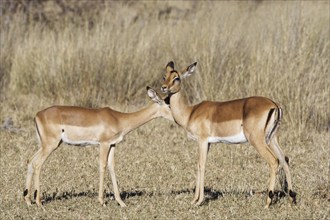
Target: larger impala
(82,126)
(253,119)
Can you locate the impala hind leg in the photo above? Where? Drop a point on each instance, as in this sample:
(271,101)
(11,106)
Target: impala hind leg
(36,164)
(284,161)
(30,173)
(273,163)
(111,164)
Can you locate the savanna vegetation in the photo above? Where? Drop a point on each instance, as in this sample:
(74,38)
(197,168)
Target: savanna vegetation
(104,53)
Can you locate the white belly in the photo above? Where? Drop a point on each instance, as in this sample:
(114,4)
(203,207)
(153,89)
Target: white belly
(235,139)
(66,140)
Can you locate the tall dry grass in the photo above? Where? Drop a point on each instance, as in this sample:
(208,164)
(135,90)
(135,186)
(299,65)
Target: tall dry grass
(105,53)
(279,50)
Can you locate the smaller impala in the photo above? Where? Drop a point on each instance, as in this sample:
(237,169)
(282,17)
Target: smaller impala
(253,119)
(83,126)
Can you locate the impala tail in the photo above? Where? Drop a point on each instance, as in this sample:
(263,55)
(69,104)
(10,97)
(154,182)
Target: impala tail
(37,131)
(276,124)
(284,160)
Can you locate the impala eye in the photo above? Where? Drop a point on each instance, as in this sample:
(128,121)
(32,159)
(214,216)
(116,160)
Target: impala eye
(176,79)
(163,78)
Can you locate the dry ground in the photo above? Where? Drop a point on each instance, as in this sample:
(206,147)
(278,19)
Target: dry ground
(156,173)
(105,53)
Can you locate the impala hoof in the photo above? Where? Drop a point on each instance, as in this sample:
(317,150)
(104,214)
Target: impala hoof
(27,198)
(39,203)
(101,201)
(122,204)
(28,201)
(293,196)
(199,203)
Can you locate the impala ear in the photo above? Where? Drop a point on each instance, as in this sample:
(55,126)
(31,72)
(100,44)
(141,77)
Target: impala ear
(189,70)
(170,66)
(154,96)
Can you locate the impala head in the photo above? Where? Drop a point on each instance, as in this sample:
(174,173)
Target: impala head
(172,78)
(164,108)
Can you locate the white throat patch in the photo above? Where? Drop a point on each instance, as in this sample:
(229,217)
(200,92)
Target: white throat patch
(235,139)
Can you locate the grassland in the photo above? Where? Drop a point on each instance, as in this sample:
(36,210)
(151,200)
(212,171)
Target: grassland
(102,53)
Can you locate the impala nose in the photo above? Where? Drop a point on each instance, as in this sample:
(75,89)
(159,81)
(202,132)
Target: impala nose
(164,88)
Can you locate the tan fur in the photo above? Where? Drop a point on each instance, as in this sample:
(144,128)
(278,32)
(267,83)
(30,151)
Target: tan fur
(223,119)
(104,126)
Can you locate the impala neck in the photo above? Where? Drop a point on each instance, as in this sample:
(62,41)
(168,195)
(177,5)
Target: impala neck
(180,109)
(133,120)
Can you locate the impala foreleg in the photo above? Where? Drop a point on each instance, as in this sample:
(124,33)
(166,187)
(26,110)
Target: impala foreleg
(111,164)
(104,152)
(198,177)
(199,194)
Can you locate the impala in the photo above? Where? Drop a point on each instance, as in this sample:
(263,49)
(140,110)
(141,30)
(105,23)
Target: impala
(83,126)
(253,119)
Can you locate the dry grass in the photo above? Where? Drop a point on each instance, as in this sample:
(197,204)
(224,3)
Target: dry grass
(105,54)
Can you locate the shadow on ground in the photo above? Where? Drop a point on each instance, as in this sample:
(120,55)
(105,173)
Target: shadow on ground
(210,194)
